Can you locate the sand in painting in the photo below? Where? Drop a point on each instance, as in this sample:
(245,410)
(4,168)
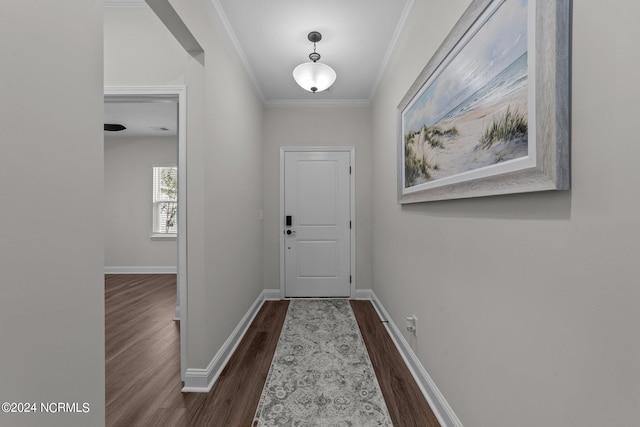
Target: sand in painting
(464,152)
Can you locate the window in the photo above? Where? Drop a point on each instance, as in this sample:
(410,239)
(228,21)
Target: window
(165,200)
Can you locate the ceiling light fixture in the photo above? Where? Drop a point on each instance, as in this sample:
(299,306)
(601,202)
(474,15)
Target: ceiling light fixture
(113,127)
(313,76)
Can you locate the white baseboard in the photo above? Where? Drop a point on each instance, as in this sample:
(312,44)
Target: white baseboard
(364,294)
(172,269)
(201,380)
(436,400)
(271,294)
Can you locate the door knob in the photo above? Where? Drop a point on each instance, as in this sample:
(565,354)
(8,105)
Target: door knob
(290,232)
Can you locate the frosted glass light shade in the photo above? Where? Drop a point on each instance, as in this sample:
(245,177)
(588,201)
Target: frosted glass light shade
(312,75)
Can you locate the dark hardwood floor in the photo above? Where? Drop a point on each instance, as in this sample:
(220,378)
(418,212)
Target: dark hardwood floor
(234,398)
(143,362)
(405,402)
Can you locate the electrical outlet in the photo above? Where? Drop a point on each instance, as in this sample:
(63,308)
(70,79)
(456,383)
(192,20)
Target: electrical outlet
(412,324)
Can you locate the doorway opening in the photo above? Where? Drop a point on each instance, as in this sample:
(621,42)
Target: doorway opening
(139,95)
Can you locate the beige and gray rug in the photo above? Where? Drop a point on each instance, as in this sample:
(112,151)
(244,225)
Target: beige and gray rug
(321,374)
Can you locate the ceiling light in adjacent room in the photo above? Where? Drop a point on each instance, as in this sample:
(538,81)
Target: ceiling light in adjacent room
(113,127)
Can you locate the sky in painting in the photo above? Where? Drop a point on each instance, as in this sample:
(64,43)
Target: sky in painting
(500,41)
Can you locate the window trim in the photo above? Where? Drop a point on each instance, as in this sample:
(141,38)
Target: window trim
(163,236)
(156,234)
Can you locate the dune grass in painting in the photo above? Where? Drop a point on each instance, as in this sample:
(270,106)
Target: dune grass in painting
(417,164)
(512,125)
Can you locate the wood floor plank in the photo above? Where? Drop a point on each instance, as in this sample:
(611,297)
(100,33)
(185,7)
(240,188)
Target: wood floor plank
(407,406)
(142,343)
(236,394)
(143,385)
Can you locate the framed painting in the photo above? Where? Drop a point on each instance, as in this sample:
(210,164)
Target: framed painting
(489,114)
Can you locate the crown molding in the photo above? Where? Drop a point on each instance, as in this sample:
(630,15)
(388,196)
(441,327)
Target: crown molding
(406,13)
(217,7)
(317,103)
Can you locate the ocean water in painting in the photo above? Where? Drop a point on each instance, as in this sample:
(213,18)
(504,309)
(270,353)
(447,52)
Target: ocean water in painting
(473,112)
(510,81)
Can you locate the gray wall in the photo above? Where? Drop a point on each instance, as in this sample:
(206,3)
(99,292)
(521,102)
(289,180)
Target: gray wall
(128,182)
(316,126)
(138,49)
(224,158)
(226,166)
(51,174)
(527,304)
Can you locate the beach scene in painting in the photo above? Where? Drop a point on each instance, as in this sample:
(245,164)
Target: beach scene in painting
(474,114)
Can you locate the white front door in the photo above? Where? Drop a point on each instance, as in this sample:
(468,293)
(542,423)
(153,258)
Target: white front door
(317,215)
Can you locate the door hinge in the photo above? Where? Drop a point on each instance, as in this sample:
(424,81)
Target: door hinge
(349,170)
(350,277)
(349,224)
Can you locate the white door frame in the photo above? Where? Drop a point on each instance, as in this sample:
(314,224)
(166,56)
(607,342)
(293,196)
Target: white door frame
(352,179)
(149,93)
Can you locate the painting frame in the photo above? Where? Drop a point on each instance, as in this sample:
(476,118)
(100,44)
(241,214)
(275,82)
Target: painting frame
(548,163)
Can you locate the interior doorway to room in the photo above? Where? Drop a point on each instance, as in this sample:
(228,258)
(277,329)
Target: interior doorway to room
(317,230)
(136,98)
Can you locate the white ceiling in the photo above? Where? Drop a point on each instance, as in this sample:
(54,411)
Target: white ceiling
(142,118)
(270,38)
(357,36)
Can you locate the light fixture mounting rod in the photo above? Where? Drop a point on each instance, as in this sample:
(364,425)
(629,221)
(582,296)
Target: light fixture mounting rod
(314,37)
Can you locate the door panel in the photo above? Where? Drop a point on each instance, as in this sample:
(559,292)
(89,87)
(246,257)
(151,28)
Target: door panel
(318,258)
(316,192)
(317,245)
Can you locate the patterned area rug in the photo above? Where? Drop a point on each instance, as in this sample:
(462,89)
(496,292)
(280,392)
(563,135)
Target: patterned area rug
(321,374)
